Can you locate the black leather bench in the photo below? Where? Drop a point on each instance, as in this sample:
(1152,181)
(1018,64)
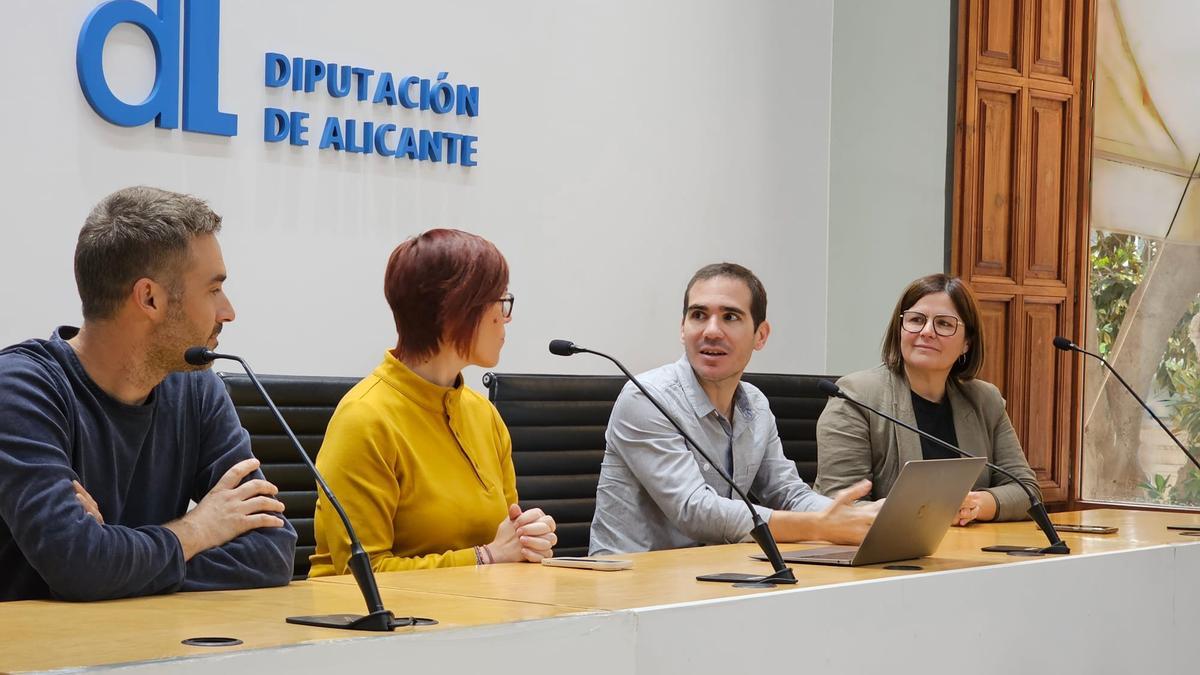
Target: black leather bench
(557,424)
(307,403)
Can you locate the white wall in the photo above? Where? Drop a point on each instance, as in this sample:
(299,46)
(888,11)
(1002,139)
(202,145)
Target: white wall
(622,145)
(887,172)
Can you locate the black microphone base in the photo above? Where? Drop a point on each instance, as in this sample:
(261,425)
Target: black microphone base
(739,580)
(381,621)
(1059,548)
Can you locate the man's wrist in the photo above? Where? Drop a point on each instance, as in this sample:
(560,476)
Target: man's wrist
(820,525)
(797,525)
(189,537)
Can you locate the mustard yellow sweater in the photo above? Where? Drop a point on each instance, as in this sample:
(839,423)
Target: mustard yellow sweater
(424,472)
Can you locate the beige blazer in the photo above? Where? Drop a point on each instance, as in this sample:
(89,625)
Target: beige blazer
(853,444)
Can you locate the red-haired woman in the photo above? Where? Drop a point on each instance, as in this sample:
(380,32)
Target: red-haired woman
(421,463)
(932,350)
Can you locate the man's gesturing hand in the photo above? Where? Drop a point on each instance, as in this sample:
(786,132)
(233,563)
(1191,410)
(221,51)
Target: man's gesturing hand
(843,522)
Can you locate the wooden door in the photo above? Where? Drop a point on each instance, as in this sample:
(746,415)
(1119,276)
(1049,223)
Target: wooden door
(1021,152)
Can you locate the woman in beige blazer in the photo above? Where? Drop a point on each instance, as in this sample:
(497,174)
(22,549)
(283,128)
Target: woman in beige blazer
(932,351)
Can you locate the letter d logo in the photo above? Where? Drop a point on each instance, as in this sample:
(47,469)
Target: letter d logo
(201,58)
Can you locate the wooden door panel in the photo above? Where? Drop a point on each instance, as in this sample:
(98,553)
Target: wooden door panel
(1040,418)
(1050,46)
(1048,193)
(1000,34)
(994,323)
(998,123)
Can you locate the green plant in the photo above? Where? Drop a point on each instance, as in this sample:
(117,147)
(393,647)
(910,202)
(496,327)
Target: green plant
(1118,264)
(1184,493)
(1187,491)
(1176,373)
(1157,490)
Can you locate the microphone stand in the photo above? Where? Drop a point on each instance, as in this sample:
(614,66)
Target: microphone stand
(1037,510)
(761,532)
(379,618)
(1066,345)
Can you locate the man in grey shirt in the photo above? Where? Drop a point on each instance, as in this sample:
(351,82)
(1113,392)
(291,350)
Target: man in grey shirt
(657,493)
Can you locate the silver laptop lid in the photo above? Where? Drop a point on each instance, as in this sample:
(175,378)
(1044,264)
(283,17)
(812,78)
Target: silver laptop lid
(917,513)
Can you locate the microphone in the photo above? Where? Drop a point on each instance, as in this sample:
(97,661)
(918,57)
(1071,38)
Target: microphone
(1037,510)
(564,348)
(379,618)
(782,574)
(829,389)
(1063,344)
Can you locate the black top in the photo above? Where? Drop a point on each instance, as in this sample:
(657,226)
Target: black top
(936,419)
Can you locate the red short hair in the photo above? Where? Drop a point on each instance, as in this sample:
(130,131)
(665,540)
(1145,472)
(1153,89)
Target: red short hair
(438,285)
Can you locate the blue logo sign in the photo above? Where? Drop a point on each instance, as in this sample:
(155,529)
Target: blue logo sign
(201,65)
(188,91)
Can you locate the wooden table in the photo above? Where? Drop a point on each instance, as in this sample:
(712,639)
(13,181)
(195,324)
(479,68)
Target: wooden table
(1117,603)
(668,577)
(39,635)
(1135,529)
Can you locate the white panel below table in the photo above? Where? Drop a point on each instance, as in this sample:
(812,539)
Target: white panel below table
(1100,613)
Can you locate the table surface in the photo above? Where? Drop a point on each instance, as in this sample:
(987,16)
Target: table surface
(669,577)
(142,629)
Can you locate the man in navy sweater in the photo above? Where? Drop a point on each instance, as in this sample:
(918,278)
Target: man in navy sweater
(106,433)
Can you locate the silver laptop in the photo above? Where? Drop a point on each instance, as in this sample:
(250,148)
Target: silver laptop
(913,519)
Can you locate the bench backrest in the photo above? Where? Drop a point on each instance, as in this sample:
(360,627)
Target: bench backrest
(307,403)
(557,424)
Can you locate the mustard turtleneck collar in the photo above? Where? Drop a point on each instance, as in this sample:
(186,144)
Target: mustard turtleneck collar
(432,397)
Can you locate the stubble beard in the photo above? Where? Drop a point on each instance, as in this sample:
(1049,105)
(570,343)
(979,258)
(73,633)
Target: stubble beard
(170,341)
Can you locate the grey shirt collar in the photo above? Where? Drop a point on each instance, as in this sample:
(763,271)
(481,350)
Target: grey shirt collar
(743,412)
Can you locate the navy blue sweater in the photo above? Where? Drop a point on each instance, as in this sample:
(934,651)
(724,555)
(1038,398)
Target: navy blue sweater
(140,463)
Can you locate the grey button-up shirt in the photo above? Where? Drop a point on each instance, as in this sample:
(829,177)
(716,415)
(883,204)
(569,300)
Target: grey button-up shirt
(655,492)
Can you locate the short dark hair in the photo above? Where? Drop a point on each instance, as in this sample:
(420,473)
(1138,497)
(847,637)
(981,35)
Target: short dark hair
(135,233)
(438,285)
(758,294)
(968,310)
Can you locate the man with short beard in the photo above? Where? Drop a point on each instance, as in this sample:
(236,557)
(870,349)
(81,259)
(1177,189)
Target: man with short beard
(655,492)
(106,433)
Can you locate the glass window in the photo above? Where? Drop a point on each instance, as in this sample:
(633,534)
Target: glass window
(1144,280)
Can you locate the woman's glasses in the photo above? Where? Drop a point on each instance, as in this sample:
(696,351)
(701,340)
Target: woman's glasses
(944,325)
(506,305)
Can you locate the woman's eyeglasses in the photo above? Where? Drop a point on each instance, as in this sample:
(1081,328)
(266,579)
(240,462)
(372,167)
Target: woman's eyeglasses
(944,325)
(506,306)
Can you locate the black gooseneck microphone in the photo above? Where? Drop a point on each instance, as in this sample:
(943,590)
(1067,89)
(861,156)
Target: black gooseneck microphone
(380,618)
(1037,510)
(782,574)
(1066,345)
